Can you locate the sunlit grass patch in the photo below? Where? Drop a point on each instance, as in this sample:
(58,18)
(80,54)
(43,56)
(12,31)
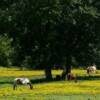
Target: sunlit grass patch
(16,72)
(60,88)
(43,91)
(21,73)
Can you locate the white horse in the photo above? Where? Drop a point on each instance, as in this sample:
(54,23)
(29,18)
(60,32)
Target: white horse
(22,81)
(91,69)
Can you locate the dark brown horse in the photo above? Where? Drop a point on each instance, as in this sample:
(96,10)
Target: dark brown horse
(71,76)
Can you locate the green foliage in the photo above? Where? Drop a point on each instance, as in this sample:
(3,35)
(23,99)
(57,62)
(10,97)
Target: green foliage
(6,50)
(27,63)
(52,32)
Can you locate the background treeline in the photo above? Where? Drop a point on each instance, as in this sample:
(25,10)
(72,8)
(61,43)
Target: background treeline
(45,33)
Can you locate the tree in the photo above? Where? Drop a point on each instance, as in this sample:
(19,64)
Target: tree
(79,19)
(6,51)
(52,32)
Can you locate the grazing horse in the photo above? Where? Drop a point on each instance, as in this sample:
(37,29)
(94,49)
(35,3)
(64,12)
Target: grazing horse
(91,69)
(22,81)
(71,76)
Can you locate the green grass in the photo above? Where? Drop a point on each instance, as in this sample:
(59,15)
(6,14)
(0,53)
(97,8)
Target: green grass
(53,97)
(87,88)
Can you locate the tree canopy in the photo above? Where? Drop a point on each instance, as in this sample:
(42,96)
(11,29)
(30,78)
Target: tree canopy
(47,33)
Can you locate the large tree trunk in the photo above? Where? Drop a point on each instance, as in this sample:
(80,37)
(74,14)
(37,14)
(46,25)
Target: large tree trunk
(48,73)
(67,68)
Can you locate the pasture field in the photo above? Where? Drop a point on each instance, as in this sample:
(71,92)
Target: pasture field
(87,87)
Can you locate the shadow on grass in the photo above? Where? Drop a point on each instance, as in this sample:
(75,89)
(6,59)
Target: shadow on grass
(37,80)
(44,80)
(88,77)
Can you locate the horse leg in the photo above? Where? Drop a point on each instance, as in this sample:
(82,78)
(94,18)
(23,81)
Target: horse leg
(14,86)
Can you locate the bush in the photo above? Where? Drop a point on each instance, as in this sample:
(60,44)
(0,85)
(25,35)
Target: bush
(6,50)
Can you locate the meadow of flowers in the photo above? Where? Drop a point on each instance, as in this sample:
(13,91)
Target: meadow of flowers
(40,90)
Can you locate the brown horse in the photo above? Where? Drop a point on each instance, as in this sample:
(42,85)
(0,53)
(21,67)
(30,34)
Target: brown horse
(71,76)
